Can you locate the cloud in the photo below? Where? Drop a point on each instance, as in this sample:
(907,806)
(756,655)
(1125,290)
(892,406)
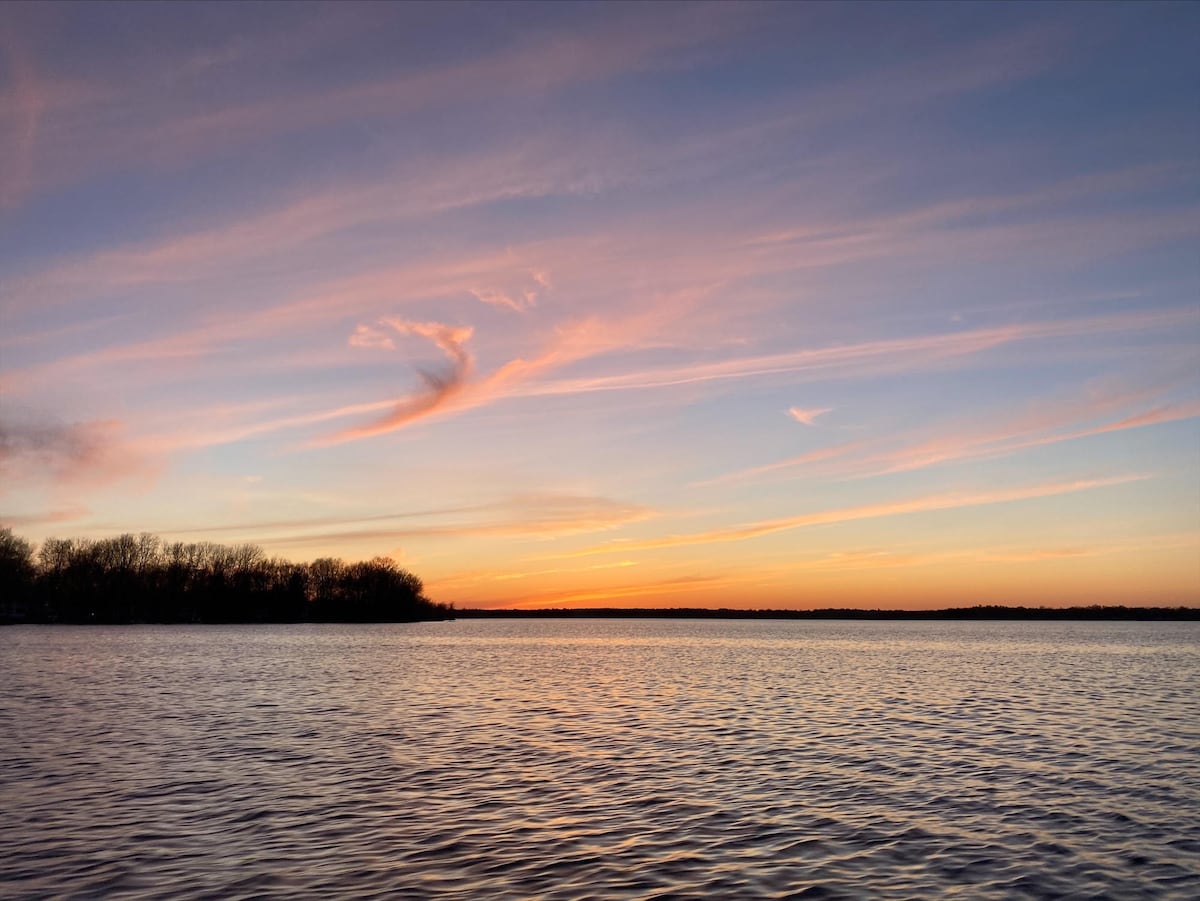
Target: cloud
(367,336)
(576,340)
(454,391)
(544,515)
(328,521)
(189,113)
(819,455)
(23,107)
(807,416)
(603,597)
(869,358)
(928,503)
(1004,441)
(500,299)
(440,387)
(47,517)
(1044,424)
(78,455)
(521,296)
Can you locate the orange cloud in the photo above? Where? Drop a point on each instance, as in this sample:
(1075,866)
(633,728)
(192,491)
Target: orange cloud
(440,388)
(576,340)
(604,597)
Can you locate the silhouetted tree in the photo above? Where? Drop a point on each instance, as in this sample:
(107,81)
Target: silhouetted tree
(16,576)
(138,578)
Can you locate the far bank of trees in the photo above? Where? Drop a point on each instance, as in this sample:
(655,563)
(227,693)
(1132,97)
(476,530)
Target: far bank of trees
(980,612)
(142,579)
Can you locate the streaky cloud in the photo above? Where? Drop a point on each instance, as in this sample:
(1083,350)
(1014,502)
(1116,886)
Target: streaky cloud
(874,357)
(45,517)
(925,504)
(647,589)
(1039,427)
(535,516)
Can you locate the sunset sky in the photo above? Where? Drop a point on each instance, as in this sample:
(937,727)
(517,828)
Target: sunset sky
(614,305)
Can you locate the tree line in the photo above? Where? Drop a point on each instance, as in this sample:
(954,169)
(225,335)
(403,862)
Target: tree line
(143,579)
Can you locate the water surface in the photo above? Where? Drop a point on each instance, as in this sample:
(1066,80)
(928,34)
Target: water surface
(602,759)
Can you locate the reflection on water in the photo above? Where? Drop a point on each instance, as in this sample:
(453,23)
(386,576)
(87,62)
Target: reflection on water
(602,759)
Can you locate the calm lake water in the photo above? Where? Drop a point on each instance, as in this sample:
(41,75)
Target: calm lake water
(601,759)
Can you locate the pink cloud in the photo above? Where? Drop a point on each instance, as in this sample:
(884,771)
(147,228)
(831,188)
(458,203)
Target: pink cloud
(367,336)
(440,387)
(520,296)
(807,416)
(79,456)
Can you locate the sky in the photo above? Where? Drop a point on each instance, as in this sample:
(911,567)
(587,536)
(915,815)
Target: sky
(784,305)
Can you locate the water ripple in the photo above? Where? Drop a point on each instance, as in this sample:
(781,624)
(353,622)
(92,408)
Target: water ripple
(603,759)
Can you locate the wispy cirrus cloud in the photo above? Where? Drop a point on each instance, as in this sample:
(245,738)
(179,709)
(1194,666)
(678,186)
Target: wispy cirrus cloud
(924,504)
(1097,412)
(603,597)
(455,391)
(369,336)
(483,577)
(1006,441)
(509,280)
(21,109)
(874,357)
(901,557)
(222,100)
(536,516)
(273,233)
(28,96)
(521,296)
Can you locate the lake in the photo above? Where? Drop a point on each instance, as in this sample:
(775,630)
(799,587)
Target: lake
(602,759)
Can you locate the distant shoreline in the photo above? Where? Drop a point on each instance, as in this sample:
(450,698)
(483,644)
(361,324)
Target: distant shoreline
(989,612)
(979,613)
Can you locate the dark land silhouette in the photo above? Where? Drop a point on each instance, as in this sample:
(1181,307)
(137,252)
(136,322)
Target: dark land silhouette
(995,612)
(142,579)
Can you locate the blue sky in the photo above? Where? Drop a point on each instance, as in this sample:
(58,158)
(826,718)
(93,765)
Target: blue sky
(681,304)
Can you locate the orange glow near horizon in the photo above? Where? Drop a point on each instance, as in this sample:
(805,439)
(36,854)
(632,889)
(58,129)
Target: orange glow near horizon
(698,313)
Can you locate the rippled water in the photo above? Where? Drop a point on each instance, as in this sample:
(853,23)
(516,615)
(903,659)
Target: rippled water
(602,759)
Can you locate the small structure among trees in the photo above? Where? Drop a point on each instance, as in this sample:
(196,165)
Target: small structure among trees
(142,579)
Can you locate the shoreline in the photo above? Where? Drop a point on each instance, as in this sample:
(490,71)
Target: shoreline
(988,612)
